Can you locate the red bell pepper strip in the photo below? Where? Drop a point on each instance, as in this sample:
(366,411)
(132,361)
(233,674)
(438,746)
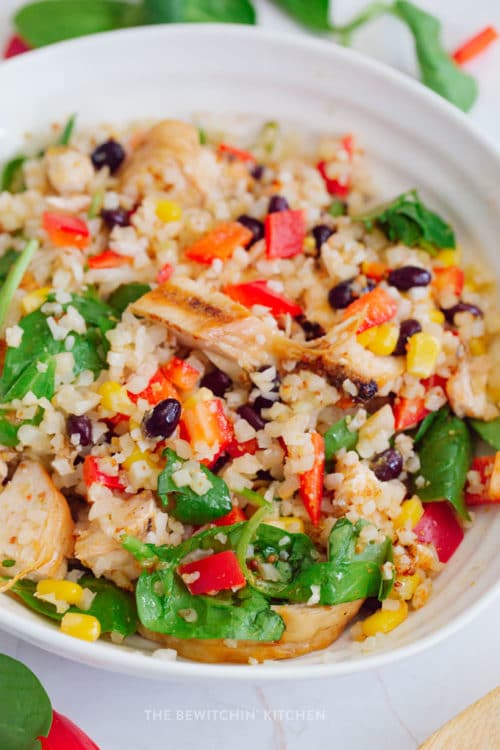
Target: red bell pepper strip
(488,468)
(164,274)
(260,293)
(249,447)
(221,242)
(64,735)
(311,482)
(474,46)
(449,279)
(109,259)
(181,374)
(15,46)
(93,475)
(206,422)
(215,573)
(408,412)
(438,526)
(158,389)
(65,230)
(234,516)
(238,153)
(373,308)
(284,233)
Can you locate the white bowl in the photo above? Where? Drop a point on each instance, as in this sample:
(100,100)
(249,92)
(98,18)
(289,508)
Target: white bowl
(413,139)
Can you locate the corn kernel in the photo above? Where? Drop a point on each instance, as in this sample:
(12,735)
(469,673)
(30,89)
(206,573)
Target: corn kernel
(289,524)
(385,620)
(380,340)
(85,627)
(477,346)
(405,586)
(114,397)
(410,514)
(32,301)
(422,352)
(138,455)
(448,257)
(65,591)
(309,243)
(168,211)
(437,316)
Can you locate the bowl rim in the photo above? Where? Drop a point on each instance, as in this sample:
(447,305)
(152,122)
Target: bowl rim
(136,662)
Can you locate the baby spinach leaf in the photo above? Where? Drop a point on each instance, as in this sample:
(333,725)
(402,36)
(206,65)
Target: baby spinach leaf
(488,431)
(339,436)
(12,175)
(114,608)
(198,11)
(67,132)
(125,294)
(313,14)
(14,277)
(26,711)
(48,21)
(445,456)
(189,506)
(407,220)
(9,429)
(165,605)
(439,72)
(428,421)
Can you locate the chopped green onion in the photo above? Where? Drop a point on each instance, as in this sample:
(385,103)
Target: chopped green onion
(337,208)
(253,497)
(96,204)
(14,277)
(8,563)
(66,134)
(12,176)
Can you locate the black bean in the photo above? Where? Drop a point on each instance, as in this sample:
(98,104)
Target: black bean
(321,232)
(388,465)
(217,381)
(254,225)
(116,217)
(80,426)
(407,329)
(312,330)
(257,171)
(341,295)
(409,276)
(366,390)
(263,475)
(163,419)
(249,414)
(461,307)
(261,402)
(277,203)
(220,462)
(108,154)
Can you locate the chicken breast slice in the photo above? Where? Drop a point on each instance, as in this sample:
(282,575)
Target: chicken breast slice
(36,529)
(307,629)
(467,390)
(171,159)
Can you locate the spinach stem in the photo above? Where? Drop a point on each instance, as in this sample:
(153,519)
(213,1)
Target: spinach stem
(253,497)
(14,277)
(372,11)
(245,539)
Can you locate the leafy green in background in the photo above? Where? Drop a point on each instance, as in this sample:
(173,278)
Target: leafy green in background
(25,709)
(488,431)
(339,436)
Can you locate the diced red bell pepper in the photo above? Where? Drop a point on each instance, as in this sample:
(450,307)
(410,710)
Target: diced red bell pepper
(334,187)
(260,293)
(15,46)
(164,274)
(221,242)
(311,482)
(64,735)
(488,468)
(408,412)
(117,419)
(206,422)
(93,475)
(215,573)
(450,278)
(234,516)
(474,46)
(285,232)
(158,389)
(373,309)
(109,259)
(181,374)
(236,449)
(238,153)
(65,230)
(438,526)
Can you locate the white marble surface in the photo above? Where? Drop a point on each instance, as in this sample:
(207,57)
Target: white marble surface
(393,707)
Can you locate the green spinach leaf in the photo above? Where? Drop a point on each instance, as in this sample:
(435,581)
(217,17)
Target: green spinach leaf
(12,175)
(125,294)
(9,429)
(445,455)
(439,72)
(407,220)
(26,711)
(314,14)
(428,421)
(190,507)
(198,11)
(488,431)
(339,436)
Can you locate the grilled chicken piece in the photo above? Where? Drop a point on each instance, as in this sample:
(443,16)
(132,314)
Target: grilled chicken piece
(211,321)
(466,390)
(36,529)
(307,629)
(171,159)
